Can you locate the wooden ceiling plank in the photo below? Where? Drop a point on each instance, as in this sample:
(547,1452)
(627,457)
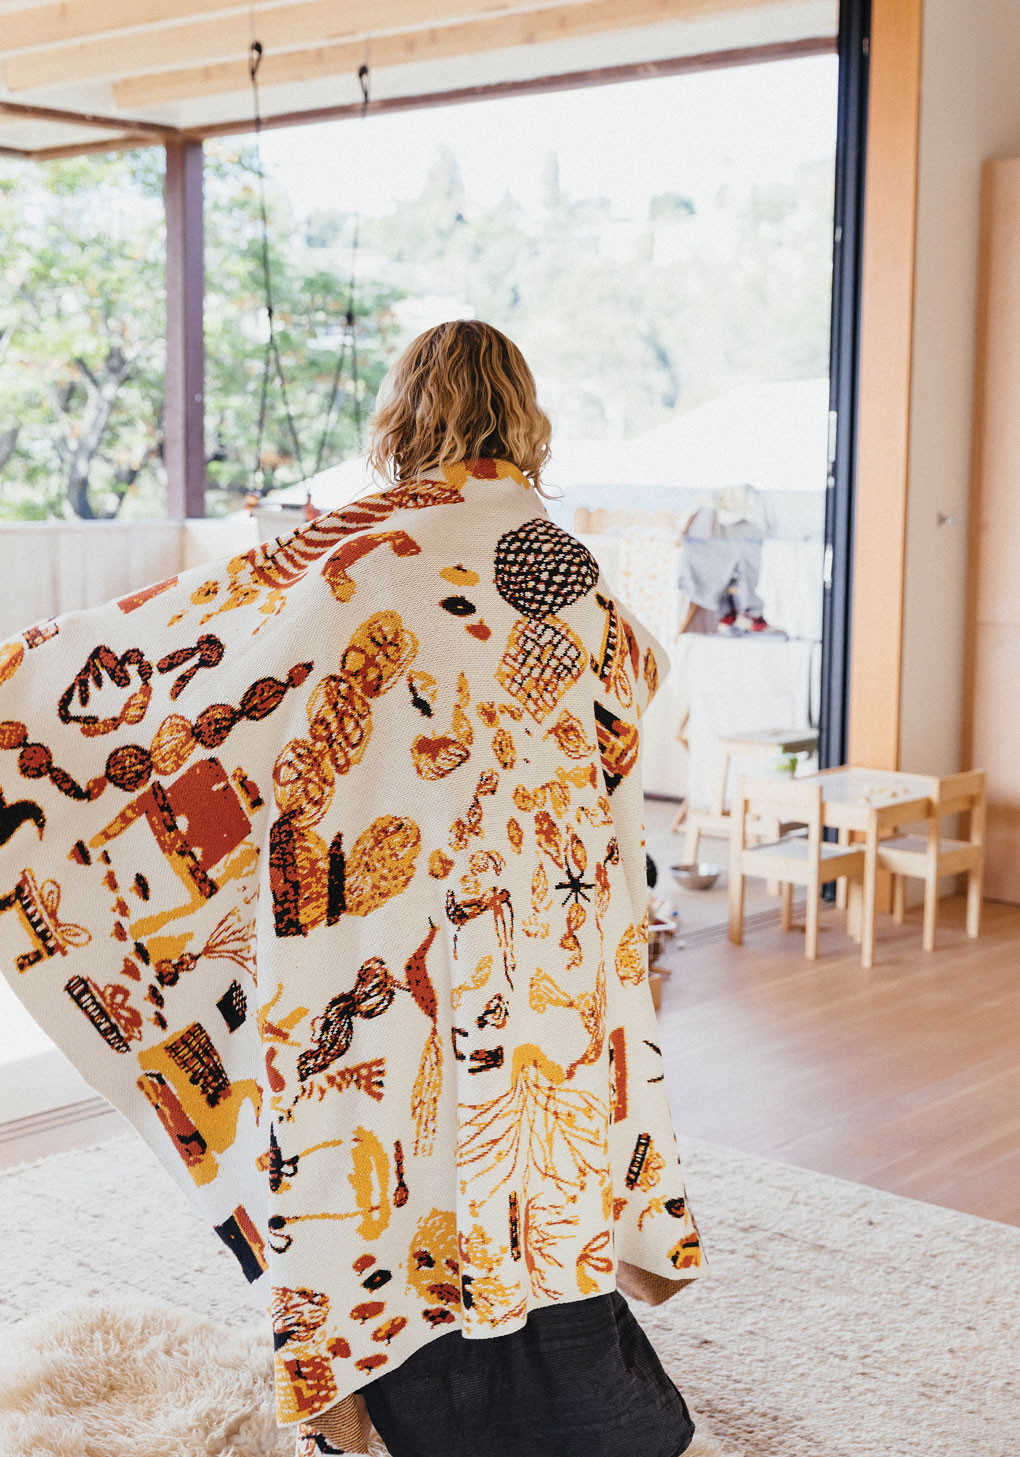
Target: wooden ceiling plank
(280,27)
(70,21)
(588,17)
(67,22)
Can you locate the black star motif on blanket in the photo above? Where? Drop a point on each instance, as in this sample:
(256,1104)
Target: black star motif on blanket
(575,887)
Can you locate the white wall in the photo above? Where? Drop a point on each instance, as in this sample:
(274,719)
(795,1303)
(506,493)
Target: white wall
(970,109)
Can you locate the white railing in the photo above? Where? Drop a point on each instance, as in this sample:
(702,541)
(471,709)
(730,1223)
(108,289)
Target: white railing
(49,567)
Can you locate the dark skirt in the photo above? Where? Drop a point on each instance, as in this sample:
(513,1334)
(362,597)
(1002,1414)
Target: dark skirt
(578,1380)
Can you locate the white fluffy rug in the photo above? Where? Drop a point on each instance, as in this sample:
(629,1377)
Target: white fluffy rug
(135,1380)
(838,1321)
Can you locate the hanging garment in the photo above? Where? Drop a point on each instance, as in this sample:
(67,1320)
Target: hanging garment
(325,866)
(712,569)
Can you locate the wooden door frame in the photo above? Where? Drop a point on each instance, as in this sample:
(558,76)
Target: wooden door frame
(884,379)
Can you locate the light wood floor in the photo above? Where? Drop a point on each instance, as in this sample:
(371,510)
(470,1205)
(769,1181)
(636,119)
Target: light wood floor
(906,1077)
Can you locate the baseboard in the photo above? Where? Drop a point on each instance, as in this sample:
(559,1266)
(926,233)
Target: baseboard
(706,935)
(42,1083)
(38,1123)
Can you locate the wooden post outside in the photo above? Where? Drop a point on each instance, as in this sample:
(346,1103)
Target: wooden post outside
(184,390)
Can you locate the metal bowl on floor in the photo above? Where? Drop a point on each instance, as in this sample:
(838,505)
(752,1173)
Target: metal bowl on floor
(696,877)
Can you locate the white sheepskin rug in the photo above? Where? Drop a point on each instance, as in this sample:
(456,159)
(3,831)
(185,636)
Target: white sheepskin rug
(133,1380)
(136,1380)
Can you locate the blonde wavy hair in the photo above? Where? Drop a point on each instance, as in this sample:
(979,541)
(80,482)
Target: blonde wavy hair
(460,391)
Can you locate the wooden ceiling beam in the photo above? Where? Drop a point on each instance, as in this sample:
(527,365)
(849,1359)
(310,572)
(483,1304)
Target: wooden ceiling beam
(29,112)
(84,149)
(563,22)
(280,27)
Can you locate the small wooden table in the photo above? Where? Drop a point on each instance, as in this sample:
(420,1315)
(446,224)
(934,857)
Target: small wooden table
(869,802)
(760,744)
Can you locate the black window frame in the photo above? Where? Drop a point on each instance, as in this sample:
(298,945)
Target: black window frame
(853,47)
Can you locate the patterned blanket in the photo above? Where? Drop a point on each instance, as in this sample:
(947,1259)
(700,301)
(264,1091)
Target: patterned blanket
(325,866)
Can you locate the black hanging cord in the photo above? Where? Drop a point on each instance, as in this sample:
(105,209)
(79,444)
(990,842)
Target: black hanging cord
(350,321)
(272,365)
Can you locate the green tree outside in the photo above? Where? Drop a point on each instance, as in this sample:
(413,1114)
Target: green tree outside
(82,338)
(625,320)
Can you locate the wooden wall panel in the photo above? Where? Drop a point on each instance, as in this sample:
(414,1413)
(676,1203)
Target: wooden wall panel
(992,683)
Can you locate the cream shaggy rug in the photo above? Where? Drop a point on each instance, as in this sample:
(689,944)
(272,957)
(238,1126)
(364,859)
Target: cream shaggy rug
(135,1380)
(838,1321)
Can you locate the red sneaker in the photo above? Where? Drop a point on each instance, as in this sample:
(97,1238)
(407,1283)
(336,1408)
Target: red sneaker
(758,624)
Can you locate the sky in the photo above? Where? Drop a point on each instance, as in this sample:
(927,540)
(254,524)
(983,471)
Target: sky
(628,142)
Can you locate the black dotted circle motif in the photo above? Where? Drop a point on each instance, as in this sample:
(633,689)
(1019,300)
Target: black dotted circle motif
(540,568)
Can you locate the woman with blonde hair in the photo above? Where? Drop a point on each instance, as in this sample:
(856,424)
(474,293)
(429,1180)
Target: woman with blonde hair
(337,888)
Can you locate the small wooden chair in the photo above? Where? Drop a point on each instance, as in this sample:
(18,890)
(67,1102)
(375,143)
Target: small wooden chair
(761,744)
(928,858)
(796,859)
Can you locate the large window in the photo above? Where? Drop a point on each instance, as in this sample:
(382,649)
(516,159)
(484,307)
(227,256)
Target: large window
(661,250)
(650,245)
